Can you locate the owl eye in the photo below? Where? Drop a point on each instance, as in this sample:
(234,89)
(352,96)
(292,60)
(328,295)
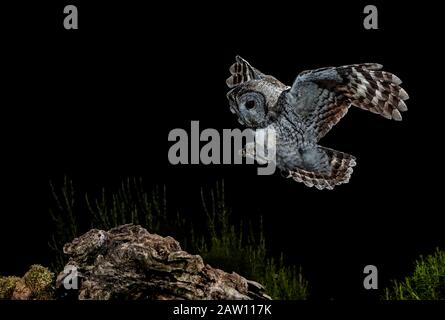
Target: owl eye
(250,104)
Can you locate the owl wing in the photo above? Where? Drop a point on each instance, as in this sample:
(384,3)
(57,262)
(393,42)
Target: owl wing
(323,96)
(241,71)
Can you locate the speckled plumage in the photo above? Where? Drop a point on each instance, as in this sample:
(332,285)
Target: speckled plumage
(305,112)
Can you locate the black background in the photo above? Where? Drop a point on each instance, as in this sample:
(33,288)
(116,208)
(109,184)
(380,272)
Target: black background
(98,103)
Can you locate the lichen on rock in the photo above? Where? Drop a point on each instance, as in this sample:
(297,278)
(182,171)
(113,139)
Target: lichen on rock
(128,262)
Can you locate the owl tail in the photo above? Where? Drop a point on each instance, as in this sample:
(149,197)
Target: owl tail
(341,169)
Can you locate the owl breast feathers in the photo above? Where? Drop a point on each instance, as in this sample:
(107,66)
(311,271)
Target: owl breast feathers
(306,111)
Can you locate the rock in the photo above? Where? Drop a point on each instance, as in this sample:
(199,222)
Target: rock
(128,262)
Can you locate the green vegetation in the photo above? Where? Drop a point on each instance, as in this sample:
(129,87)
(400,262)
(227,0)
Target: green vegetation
(224,244)
(426,283)
(65,222)
(230,249)
(284,282)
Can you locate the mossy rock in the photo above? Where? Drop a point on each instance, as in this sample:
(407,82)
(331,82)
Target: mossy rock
(37,284)
(39,279)
(7,286)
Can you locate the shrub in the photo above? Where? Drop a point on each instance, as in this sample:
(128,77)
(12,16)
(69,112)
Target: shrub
(426,283)
(230,249)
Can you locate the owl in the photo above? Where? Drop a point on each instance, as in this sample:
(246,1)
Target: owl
(305,112)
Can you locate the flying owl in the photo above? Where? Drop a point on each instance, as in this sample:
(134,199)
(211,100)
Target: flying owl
(305,112)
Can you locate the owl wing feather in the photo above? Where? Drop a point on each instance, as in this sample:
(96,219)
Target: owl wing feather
(323,96)
(241,71)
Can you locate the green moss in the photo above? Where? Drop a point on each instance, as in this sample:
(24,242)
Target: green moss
(426,283)
(39,279)
(7,286)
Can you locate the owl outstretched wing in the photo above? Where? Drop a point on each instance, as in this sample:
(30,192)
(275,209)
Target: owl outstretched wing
(323,96)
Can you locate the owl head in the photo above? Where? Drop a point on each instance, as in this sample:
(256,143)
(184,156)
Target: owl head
(253,96)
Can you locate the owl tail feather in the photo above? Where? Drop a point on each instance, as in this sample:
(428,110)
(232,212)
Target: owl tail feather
(341,169)
(374,90)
